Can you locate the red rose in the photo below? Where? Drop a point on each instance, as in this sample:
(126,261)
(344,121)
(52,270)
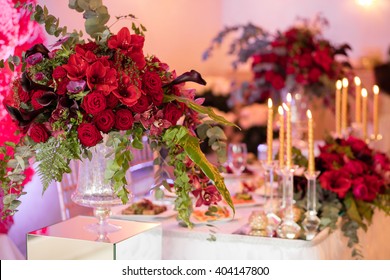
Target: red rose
(301,79)
(172,113)
(142,105)
(157,97)
(355,167)
(336,181)
(34,102)
(94,103)
(366,188)
(314,75)
(123,119)
(88,134)
(329,161)
(359,147)
(111,101)
(151,82)
(38,133)
(269,75)
(305,60)
(277,82)
(105,120)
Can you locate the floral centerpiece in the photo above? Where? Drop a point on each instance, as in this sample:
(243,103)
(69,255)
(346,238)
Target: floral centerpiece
(68,97)
(286,60)
(354,182)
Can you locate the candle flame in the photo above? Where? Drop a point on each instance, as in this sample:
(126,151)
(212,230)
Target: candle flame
(364,92)
(289,97)
(308,113)
(357,80)
(269,103)
(375,89)
(280,110)
(285,107)
(345,82)
(339,85)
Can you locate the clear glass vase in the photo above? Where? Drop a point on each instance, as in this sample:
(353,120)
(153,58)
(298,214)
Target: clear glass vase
(95,192)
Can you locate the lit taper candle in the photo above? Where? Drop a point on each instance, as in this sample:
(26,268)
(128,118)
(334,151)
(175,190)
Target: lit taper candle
(269,131)
(344,106)
(364,112)
(358,100)
(339,85)
(311,168)
(281,137)
(288,136)
(375,120)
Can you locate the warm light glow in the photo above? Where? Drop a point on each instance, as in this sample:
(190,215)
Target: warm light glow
(280,110)
(364,92)
(358,82)
(365,3)
(308,113)
(289,97)
(345,82)
(339,84)
(285,107)
(269,103)
(375,89)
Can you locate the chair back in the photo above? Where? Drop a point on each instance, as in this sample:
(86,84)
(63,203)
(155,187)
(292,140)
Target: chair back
(65,190)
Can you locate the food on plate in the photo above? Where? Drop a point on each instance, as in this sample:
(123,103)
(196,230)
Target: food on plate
(144,207)
(242,197)
(213,213)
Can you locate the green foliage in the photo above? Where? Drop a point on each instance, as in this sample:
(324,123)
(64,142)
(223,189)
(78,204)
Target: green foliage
(216,139)
(54,157)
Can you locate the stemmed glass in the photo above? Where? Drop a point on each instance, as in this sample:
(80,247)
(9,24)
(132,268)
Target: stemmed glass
(237,157)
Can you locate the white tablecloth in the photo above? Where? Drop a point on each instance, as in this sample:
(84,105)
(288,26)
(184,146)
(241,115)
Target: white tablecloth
(182,243)
(8,250)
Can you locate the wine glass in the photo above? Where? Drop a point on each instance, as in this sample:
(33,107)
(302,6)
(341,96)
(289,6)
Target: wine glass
(237,156)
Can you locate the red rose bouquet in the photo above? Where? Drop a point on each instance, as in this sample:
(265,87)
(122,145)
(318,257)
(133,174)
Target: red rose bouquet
(69,96)
(299,57)
(355,180)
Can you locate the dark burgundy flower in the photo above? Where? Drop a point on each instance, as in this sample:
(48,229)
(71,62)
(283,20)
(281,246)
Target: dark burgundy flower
(37,48)
(34,99)
(314,75)
(38,133)
(156,97)
(123,119)
(151,82)
(88,134)
(359,148)
(105,120)
(329,161)
(336,181)
(94,103)
(192,76)
(207,196)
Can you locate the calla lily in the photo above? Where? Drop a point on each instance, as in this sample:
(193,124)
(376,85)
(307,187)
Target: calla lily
(192,76)
(38,48)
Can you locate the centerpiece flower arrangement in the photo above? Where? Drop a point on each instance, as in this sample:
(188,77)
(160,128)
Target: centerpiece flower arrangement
(286,60)
(69,97)
(354,183)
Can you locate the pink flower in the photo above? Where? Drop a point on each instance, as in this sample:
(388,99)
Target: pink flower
(207,196)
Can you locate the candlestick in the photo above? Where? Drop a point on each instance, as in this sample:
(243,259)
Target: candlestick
(364,113)
(281,137)
(375,110)
(311,222)
(287,108)
(289,228)
(272,218)
(310,142)
(344,106)
(358,101)
(269,131)
(338,107)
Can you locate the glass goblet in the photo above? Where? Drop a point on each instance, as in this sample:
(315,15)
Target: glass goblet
(237,157)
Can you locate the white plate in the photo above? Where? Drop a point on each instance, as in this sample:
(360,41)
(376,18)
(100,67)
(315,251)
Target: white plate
(255,201)
(117,214)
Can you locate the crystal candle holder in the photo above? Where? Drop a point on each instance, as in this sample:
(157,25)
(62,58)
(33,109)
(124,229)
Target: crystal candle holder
(289,228)
(270,206)
(311,222)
